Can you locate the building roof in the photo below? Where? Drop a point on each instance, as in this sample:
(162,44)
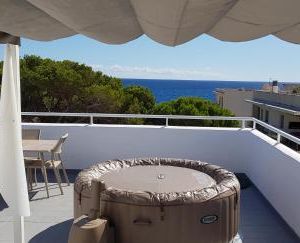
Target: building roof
(223,90)
(277,106)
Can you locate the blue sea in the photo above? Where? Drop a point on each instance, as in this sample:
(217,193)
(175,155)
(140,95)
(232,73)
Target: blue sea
(165,90)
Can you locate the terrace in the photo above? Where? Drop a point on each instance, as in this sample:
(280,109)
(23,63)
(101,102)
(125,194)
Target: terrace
(268,208)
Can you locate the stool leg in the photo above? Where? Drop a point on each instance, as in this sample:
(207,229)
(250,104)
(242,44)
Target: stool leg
(64,170)
(27,178)
(58,179)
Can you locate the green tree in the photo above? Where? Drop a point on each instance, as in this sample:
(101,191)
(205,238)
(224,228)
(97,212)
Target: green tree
(138,100)
(66,86)
(296,90)
(193,106)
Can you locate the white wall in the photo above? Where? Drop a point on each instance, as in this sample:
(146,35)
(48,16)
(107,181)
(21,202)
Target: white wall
(274,169)
(234,100)
(88,144)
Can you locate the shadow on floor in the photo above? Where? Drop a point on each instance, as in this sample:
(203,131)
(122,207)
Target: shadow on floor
(3,204)
(57,233)
(40,191)
(53,186)
(31,194)
(72,174)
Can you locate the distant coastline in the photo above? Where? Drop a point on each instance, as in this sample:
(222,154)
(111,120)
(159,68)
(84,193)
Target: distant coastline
(168,89)
(193,80)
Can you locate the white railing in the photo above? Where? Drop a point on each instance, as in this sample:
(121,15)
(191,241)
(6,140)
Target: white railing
(279,133)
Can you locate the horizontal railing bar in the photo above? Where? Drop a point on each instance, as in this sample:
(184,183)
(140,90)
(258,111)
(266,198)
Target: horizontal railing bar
(106,115)
(167,117)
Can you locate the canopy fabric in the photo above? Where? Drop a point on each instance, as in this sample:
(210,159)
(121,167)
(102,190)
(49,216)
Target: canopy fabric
(6,38)
(13,186)
(170,22)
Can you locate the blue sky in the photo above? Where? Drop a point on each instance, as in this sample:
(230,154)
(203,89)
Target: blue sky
(203,58)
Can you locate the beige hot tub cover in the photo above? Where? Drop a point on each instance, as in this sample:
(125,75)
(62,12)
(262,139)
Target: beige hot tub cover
(226,185)
(170,22)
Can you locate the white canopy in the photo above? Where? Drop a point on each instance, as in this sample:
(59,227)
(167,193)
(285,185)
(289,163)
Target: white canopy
(13,185)
(170,22)
(12,174)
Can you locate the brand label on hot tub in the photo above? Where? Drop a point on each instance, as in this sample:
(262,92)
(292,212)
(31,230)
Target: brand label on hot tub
(209,219)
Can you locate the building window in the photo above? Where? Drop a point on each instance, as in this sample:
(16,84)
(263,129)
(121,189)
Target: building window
(256,112)
(282,121)
(267,116)
(261,116)
(294,125)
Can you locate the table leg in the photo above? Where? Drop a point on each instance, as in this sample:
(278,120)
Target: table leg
(35,177)
(30,178)
(44,171)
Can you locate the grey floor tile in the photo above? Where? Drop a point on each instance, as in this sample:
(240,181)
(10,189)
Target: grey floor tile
(51,219)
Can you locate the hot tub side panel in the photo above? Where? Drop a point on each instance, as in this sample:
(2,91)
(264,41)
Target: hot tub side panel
(214,221)
(82,203)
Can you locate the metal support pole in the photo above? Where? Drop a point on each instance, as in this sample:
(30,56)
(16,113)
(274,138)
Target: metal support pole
(167,121)
(278,138)
(91,120)
(19,229)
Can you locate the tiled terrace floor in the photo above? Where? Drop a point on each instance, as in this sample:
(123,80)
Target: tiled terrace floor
(51,219)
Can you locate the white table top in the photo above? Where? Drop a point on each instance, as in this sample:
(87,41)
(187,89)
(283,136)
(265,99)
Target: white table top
(39,145)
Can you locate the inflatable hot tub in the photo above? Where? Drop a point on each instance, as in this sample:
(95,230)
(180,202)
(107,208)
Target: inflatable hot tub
(161,200)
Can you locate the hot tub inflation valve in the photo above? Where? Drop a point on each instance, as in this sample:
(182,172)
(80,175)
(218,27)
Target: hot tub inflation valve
(161,176)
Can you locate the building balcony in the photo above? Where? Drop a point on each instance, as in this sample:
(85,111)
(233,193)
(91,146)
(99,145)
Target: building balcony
(269,208)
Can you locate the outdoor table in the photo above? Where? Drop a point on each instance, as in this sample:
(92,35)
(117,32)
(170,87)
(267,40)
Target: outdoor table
(40,147)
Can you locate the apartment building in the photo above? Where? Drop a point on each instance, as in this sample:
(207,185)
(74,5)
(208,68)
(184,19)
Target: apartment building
(281,110)
(235,100)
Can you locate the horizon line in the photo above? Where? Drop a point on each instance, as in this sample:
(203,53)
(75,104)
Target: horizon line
(212,80)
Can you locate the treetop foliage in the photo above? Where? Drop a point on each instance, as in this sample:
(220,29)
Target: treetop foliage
(67,86)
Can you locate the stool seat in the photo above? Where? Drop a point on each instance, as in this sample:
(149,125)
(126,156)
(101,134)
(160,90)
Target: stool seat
(90,230)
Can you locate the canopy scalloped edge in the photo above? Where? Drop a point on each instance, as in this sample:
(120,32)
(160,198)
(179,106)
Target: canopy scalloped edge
(169,22)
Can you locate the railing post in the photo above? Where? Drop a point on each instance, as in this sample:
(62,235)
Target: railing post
(167,121)
(254,124)
(243,124)
(278,138)
(91,120)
